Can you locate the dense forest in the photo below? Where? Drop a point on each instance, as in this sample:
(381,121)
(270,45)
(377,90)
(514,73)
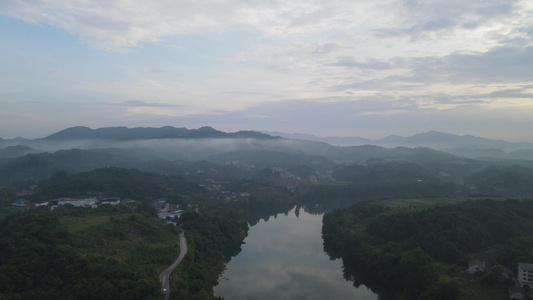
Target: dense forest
(375,180)
(212,234)
(503,180)
(419,253)
(83,254)
(51,254)
(120,182)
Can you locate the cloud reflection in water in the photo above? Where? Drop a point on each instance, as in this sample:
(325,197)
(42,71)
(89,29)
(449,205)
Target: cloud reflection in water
(283,258)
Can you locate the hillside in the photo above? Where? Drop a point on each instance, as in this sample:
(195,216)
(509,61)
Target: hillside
(503,180)
(16,151)
(43,165)
(172,155)
(121,182)
(88,246)
(85,254)
(421,253)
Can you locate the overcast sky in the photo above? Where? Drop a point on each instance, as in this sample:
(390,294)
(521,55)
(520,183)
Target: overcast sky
(340,68)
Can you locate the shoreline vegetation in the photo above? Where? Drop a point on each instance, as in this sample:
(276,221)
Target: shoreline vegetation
(420,248)
(117,252)
(218,202)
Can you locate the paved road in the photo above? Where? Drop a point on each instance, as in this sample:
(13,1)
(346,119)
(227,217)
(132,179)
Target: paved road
(163,277)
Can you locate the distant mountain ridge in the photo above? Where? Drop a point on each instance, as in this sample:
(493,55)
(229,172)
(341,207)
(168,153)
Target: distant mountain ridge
(467,146)
(456,144)
(333,140)
(140,133)
(164,149)
(438,140)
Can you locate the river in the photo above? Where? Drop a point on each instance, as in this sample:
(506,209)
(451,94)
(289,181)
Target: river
(283,258)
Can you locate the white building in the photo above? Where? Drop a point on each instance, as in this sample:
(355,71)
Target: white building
(525,274)
(110,201)
(87,202)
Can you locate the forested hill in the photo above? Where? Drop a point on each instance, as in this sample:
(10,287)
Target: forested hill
(84,254)
(117,251)
(43,165)
(140,133)
(126,183)
(418,253)
(503,180)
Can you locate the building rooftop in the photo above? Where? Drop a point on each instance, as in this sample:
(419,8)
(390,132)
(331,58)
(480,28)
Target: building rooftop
(475,262)
(525,266)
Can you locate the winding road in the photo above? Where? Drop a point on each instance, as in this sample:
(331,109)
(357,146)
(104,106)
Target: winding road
(164,276)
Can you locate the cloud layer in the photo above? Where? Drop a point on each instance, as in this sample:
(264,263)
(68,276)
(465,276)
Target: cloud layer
(257,59)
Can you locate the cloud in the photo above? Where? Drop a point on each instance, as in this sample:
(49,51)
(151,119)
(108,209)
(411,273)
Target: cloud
(283,62)
(501,65)
(158,71)
(137,103)
(373,117)
(429,19)
(525,92)
(373,64)
(122,25)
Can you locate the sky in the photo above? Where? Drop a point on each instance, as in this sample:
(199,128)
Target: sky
(328,68)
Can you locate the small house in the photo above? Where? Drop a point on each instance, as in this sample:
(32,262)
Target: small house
(129,203)
(475,266)
(516,292)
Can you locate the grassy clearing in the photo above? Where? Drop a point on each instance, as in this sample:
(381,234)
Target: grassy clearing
(79,224)
(427,202)
(129,237)
(410,203)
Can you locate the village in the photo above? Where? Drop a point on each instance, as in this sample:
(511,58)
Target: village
(523,278)
(166,210)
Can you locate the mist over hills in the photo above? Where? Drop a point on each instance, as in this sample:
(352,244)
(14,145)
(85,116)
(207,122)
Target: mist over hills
(431,139)
(196,144)
(16,151)
(207,152)
(86,138)
(333,140)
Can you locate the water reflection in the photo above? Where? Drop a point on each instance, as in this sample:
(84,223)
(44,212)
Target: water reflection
(283,258)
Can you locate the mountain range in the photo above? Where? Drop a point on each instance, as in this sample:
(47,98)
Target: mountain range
(83,137)
(140,133)
(431,139)
(172,150)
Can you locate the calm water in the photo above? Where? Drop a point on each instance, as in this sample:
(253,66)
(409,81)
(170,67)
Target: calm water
(283,259)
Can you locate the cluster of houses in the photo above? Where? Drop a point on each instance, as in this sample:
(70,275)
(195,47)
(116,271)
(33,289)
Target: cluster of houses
(28,191)
(167,211)
(524,277)
(92,202)
(170,212)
